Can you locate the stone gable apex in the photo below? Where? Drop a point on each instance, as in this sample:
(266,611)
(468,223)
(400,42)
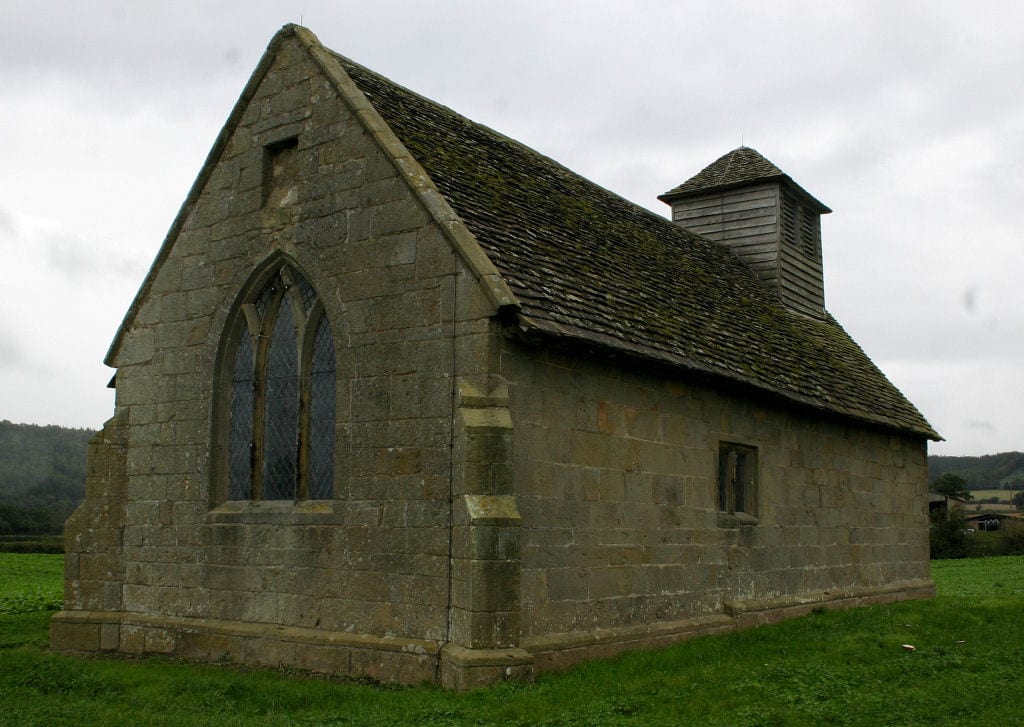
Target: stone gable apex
(491,281)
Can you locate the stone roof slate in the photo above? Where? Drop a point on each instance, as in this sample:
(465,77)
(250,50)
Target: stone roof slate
(587,265)
(740,166)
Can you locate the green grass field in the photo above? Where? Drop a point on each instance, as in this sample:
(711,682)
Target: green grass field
(836,668)
(1003,495)
(30,582)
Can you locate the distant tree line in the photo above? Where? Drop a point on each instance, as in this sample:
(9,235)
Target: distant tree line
(1004,471)
(42,476)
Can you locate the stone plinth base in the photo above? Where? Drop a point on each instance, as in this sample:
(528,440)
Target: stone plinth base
(386,659)
(562,651)
(463,669)
(754,613)
(416,661)
(557,652)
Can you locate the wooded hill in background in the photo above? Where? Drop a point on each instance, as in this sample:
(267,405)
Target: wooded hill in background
(1004,471)
(42,476)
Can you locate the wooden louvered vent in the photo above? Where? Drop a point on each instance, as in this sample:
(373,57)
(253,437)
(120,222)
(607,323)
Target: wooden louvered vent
(790,219)
(810,233)
(800,275)
(801,226)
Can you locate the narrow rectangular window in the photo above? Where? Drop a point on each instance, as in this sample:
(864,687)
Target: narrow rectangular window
(740,480)
(737,480)
(723,479)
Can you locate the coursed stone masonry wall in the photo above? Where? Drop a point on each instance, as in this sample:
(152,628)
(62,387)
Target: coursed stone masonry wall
(94,565)
(621,538)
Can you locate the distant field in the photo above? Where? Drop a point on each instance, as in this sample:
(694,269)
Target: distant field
(986,494)
(847,668)
(31,544)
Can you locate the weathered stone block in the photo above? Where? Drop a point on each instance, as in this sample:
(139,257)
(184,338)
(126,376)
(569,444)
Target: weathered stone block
(465,669)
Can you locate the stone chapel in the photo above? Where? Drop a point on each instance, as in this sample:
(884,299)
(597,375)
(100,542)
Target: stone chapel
(403,398)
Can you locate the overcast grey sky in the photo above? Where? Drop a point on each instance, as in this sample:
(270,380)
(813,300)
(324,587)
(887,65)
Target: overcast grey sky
(906,118)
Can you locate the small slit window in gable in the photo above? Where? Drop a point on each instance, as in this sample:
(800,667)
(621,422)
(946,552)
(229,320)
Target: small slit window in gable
(281,173)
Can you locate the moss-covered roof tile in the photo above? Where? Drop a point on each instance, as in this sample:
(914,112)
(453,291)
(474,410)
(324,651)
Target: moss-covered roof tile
(741,166)
(586,264)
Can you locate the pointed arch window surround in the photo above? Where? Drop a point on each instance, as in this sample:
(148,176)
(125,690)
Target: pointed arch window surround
(281,432)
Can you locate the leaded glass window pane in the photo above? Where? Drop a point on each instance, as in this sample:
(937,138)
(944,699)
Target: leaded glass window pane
(282,398)
(723,480)
(280,435)
(740,479)
(308,294)
(321,417)
(240,444)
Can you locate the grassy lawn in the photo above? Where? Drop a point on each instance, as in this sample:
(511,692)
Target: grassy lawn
(842,668)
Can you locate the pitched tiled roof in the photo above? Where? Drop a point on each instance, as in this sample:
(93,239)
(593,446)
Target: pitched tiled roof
(587,265)
(740,166)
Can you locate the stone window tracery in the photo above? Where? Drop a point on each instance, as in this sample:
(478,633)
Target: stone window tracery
(282,409)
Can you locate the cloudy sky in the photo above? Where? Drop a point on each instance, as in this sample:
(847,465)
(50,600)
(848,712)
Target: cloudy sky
(906,118)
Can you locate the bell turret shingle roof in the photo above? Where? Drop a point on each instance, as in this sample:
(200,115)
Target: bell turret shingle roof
(740,167)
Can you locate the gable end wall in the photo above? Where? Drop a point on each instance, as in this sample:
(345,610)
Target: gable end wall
(354,585)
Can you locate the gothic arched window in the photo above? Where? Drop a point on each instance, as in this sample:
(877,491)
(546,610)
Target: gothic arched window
(281,443)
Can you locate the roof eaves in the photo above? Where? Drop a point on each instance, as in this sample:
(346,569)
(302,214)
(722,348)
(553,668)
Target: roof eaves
(678,194)
(540,244)
(531,329)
